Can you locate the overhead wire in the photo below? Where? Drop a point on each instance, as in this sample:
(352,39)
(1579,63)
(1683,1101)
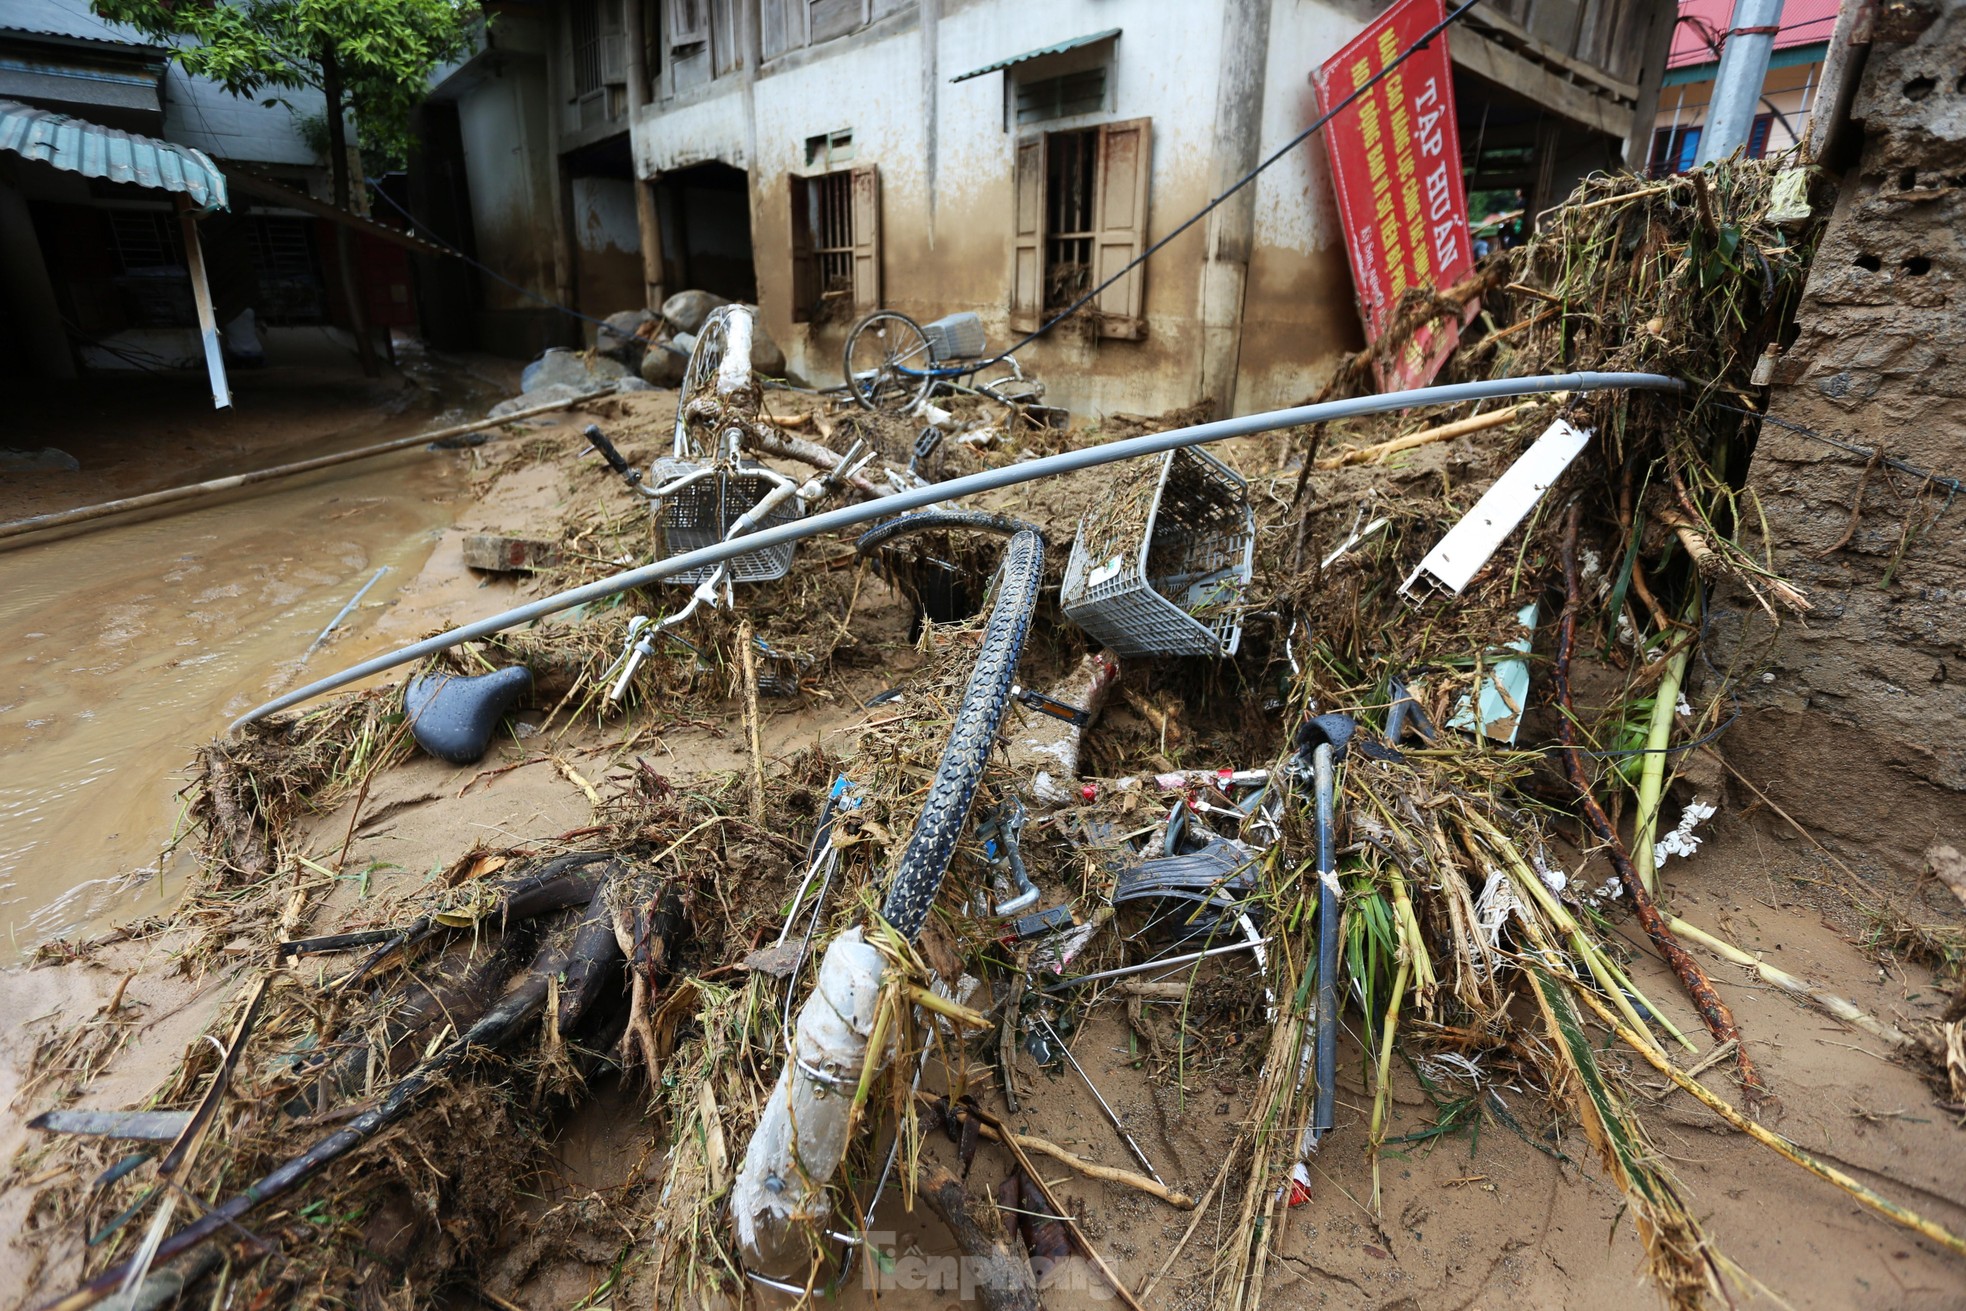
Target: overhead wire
(1247,178)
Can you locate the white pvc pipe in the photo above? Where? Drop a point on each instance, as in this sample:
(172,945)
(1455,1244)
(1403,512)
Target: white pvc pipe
(852,516)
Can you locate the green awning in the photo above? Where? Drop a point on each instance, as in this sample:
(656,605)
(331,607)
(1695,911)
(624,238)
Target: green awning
(1058,49)
(77,146)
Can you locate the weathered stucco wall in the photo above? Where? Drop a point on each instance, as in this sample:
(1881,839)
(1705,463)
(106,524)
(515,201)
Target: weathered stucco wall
(1299,313)
(1853,716)
(946,164)
(503,121)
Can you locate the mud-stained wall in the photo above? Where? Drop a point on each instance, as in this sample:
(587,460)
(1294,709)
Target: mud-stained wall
(609,252)
(1299,311)
(946,242)
(1853,716)
(946,159)
(503,122)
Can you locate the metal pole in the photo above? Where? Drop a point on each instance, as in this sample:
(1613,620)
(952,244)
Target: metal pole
(1737,86)
(1330,906)
(853,516)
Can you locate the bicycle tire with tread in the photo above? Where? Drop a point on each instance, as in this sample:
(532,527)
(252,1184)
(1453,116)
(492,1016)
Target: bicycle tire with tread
(918,877)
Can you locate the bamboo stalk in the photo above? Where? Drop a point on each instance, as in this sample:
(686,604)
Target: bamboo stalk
(1767,1137)
(1713,1010)
(1384,1082)
(123,505)
(749,663)
(1652,771)
(1427,436)
(1607,975)
(1838,1007)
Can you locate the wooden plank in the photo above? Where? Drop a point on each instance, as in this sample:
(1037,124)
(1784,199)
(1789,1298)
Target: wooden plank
(1505,68)
(1545,52)
(201,296)
(502,554)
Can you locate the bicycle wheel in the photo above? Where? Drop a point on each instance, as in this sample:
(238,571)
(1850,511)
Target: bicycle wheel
(700,376)
(918,877)
(888,362)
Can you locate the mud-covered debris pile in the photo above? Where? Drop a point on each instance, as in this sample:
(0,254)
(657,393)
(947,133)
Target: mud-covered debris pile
(1500,760)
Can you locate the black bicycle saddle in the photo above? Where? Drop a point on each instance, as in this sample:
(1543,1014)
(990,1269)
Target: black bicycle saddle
(453,716)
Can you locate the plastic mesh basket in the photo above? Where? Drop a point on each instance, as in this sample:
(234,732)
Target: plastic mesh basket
(1160,565)
(701,514)
(956,336)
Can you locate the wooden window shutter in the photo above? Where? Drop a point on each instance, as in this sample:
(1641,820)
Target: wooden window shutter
(1125,164)
(1027,237)
(688,22)
(866,237)
(614,43)
(805,263)
(772,37)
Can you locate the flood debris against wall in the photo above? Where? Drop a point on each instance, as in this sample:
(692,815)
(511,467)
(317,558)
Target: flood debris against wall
(1358,825)
(1874,675)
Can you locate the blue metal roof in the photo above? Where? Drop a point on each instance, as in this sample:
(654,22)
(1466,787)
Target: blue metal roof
(1058,49)
(76,146)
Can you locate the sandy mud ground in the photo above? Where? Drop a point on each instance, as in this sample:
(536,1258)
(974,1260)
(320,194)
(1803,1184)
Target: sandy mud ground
(1507,1205)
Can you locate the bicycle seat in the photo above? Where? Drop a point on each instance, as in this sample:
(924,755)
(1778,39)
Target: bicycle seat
(453,716)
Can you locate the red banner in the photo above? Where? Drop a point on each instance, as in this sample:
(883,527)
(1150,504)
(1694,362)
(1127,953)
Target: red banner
(1395,157)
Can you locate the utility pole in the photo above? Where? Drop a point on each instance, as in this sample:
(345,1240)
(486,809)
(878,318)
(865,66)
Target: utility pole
(1737,86)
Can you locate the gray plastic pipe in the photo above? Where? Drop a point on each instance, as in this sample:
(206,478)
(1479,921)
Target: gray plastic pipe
(852,516)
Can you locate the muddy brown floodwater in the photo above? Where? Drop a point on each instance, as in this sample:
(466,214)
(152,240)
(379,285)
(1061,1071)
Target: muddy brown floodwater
(124,646)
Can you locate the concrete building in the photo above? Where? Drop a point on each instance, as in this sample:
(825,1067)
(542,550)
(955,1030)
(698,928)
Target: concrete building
(96,274)
(826,157)
(1788,94)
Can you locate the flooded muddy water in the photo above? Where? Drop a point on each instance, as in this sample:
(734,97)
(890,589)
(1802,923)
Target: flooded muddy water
(124,647)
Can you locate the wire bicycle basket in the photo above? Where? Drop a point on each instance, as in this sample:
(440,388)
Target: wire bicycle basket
(699,506)
(701,502)
(1161,566)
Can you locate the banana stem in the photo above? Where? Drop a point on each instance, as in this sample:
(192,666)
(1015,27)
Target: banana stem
(1652,772)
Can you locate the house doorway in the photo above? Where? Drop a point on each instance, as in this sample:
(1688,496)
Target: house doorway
(607,241)
(705,212)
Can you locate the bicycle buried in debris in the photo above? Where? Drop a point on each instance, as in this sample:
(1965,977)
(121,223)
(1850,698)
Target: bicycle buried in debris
(709,489)
(893,364)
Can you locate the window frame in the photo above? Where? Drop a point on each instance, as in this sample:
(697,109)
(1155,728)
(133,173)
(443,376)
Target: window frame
(1122,168)
(859,205)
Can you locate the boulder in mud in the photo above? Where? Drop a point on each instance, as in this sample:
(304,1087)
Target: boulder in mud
(686,310)
(663,366)
(621,341)
(582,370)
(559,391)
(46,460)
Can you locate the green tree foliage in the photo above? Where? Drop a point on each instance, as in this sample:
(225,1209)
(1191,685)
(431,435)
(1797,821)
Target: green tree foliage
(370,56)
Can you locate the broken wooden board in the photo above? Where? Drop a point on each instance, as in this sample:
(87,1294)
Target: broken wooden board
(502,554)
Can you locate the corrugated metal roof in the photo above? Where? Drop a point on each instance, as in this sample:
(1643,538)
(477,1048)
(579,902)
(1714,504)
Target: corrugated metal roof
(1058,49)
(1702,23)
(77,146)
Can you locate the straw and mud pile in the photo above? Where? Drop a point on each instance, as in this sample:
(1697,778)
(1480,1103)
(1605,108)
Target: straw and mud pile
(372,1121)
